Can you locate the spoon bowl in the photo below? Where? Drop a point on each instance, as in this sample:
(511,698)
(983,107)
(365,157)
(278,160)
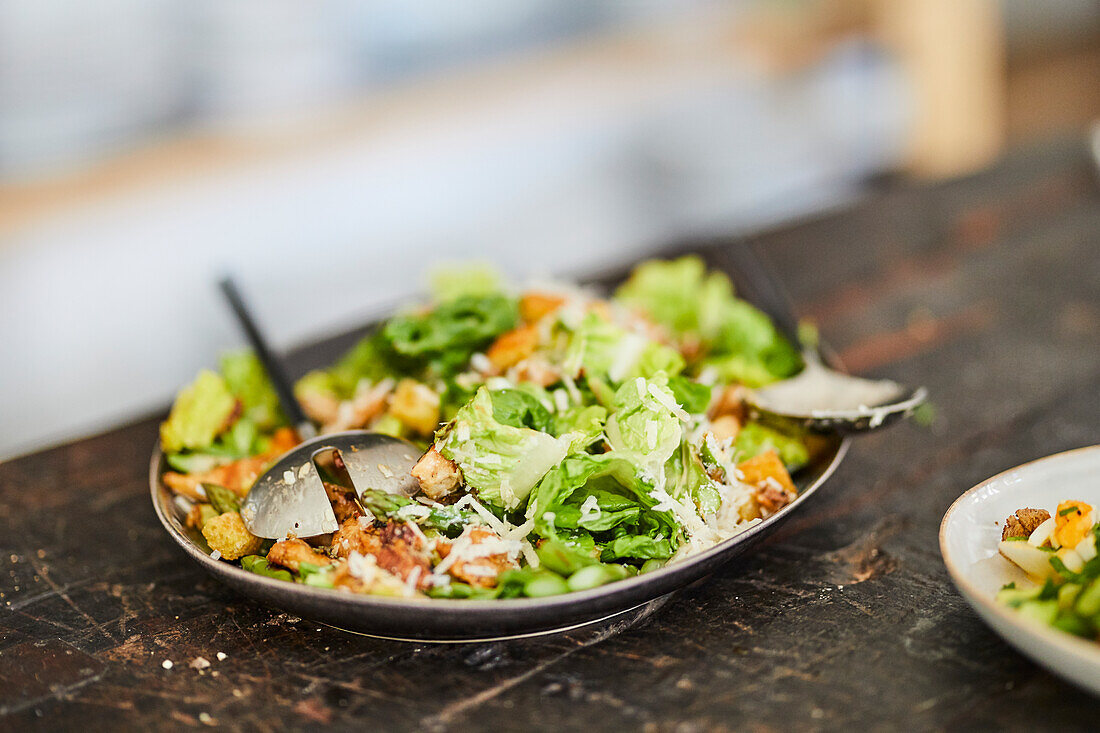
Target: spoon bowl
(290,499)
(824,399)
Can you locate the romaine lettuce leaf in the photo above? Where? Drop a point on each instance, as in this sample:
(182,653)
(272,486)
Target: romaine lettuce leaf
(609,352)
(476,279)
(520,409)
(642,427)
(737,339)
(680,294)
(501,462)
(248,381)
(568,485)
(202,410)
(443,339)
(637,547)
(685,475)
(756,438)
(692,396)
(584,425)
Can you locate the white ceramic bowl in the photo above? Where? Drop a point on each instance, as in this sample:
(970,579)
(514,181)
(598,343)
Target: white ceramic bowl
(969,535)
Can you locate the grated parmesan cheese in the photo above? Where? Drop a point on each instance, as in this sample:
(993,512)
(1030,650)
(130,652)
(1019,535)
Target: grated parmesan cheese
(668,402)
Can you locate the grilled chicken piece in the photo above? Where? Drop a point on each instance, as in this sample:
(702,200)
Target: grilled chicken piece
(438,476)
(360,409)
(1023,522)
(395,547)
(237,476)
(292,553)
(363,575)
(478,570)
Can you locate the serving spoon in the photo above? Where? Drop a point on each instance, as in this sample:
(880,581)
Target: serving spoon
(290,498)
(819,397)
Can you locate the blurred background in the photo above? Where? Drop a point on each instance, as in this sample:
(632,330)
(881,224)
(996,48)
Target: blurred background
(331,152)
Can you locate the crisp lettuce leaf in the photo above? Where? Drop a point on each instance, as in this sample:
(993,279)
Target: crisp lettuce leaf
(501,462)
(443,339)
(520,409)
(477,279)
(756,438)
(615,481)
(679,294)
(747,347)
(692,396)
(608,352)
(637,547)
(737,340)
(202,410)
(642,427)
(685,475)
(583,425)
(248,381)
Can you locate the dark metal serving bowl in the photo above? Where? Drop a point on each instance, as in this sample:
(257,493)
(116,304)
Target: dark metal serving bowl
(458,620)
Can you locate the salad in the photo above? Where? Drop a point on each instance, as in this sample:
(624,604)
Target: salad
(1060,553)
(568,440)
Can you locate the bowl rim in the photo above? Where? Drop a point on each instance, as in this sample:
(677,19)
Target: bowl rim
(665,577)
(1081,649)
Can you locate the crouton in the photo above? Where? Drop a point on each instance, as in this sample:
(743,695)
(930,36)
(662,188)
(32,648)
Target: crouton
(725,428)
(756,471)
(513,347)
(437,475)
(416,405)
(1023,522)
(774,487)
(534,306)
(292,553)
(227,535)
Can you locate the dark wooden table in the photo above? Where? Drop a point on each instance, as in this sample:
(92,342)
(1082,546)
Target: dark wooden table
(987,290)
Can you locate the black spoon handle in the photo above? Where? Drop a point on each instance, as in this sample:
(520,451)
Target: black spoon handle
(274,368)
(762,288)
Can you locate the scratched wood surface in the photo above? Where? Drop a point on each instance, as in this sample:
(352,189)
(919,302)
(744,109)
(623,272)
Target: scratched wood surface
(987,290)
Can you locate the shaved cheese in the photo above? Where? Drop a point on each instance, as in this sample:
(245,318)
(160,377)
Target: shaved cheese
(489,518)
(481,363)
(561,400)
(590,508)
(289,477)
(385,470)
(668,402)
(412,511)
(629,350)
(571,388)
(410,582)
(651,428)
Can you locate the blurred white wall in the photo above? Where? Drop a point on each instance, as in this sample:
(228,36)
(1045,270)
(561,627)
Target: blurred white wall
(107,309)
